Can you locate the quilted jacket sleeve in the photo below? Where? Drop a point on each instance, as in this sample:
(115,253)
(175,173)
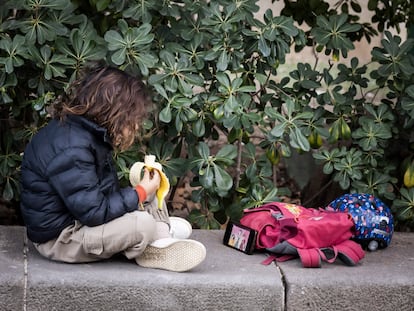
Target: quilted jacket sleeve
(73,175)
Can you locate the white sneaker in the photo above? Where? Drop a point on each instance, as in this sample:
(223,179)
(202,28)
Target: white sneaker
(172,254)
(180,228)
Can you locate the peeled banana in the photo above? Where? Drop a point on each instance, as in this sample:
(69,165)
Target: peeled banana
(150,163)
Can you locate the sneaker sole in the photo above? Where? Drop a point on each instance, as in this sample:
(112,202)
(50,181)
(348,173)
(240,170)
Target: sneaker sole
(178,257)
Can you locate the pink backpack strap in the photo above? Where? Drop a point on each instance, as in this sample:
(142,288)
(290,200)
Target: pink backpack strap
(328,254)
(278,258)
(310,258)
(350,252)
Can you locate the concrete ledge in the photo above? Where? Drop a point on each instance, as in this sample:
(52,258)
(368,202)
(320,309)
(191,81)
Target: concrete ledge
(383,281)
(12,268)
(227,280)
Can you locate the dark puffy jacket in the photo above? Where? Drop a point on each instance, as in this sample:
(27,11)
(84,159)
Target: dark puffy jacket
(68,174)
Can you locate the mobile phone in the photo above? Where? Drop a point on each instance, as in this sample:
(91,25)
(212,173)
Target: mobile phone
(240,237)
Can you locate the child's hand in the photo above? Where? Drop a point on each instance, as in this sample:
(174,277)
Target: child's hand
(150,181)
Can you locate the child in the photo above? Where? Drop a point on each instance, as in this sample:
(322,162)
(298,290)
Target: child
(71,201)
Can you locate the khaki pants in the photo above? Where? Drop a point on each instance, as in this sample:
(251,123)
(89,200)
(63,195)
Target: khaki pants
(129,234)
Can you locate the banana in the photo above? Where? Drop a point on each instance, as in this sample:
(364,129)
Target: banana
(150,163)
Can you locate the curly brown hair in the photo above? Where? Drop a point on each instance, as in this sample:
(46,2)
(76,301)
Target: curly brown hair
(109,97)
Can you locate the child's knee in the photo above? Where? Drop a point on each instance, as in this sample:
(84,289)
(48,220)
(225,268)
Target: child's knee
(146,225)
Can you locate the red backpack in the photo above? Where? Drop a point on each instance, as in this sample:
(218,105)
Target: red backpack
(289,231)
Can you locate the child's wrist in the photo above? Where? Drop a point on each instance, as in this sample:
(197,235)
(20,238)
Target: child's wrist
(142,194)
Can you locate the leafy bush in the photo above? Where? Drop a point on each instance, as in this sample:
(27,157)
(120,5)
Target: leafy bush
(214,69)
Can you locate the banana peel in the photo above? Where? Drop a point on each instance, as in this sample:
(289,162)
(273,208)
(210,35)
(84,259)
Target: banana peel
(151,164)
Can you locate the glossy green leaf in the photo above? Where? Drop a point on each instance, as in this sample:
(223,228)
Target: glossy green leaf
(165,114)
(222,180)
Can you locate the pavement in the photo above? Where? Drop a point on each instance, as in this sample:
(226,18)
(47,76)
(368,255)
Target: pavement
(226,280)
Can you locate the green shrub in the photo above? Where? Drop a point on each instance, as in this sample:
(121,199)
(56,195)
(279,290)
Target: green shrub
(214,68)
